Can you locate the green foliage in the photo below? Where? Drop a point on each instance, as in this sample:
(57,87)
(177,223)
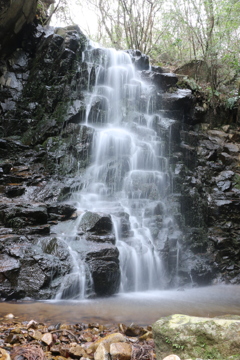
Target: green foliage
(237,181)
(175,345)
(178,347)
(170,32)
(231,102)
(168,341)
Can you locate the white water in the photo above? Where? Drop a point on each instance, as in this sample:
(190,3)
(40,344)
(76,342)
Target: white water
(129,173)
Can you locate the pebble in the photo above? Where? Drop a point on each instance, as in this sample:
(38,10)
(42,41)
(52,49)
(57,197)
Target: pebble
(101,353)
(4,355)
(47,338)
(120,351)
(9,316)
(172,357)
(108,340)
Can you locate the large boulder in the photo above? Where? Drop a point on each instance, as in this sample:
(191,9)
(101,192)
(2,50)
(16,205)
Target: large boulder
(196,337)
(104,267)
(182,99)
(31,270)
(162,81)
(197,69)
(140,61)
(98,223)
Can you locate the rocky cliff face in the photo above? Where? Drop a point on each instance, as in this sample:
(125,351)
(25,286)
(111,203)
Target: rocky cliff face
(210,201)
(44,143)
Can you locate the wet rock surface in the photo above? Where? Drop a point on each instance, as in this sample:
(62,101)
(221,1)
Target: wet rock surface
(104,266)
(210,193)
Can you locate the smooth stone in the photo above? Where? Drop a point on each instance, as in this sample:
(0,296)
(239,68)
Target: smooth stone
(231,148)
(32,324)
(134,330)
(101,353)
(96,222)
(120,351)
(47,338)
(9,316)
(4,355)
(172,357)
(108,340)
(77,351)
(35,334)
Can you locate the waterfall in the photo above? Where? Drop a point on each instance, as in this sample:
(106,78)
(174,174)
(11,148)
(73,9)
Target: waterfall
(129,177)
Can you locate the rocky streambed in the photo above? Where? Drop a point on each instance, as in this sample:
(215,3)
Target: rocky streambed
(177,337)
(32,340)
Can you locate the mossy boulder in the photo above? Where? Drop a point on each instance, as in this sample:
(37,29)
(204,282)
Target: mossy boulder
(196,337)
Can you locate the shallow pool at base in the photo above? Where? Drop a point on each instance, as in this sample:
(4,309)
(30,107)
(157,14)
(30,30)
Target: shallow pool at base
(142,308)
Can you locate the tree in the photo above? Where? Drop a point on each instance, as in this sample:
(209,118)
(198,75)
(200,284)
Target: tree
(49,8)
(206,30)
(127,23)
(175,31)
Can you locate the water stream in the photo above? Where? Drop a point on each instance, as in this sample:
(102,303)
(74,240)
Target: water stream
(129,176)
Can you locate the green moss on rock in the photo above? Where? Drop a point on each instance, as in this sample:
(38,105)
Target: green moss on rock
(195,337)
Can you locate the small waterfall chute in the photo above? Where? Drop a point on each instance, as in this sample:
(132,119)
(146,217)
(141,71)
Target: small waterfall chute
(129,176)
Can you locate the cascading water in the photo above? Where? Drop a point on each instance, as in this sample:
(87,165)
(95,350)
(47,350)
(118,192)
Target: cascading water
(128,178)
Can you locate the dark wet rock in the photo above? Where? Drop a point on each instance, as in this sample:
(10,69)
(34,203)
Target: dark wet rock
(182,99)
(8,263)
(32,230)
(13,191)
(11,147)
(6,167)
(10,80)
(202,274)
(98,110)
(190,154)
(76,112)
(224,185)
(64,210)
(162,81)
(14,16)
(231,148)
(101,239)
(134,330)
(20,216)
(140,61)
(96,223)
(223,181)
(104,267)
(72,41)
(124,224)
(26,270)
(226,158)
(155,209)
(67,58)
(160,69)
(54,246)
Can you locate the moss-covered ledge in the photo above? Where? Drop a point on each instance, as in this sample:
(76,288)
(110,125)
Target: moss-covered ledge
(195,337)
